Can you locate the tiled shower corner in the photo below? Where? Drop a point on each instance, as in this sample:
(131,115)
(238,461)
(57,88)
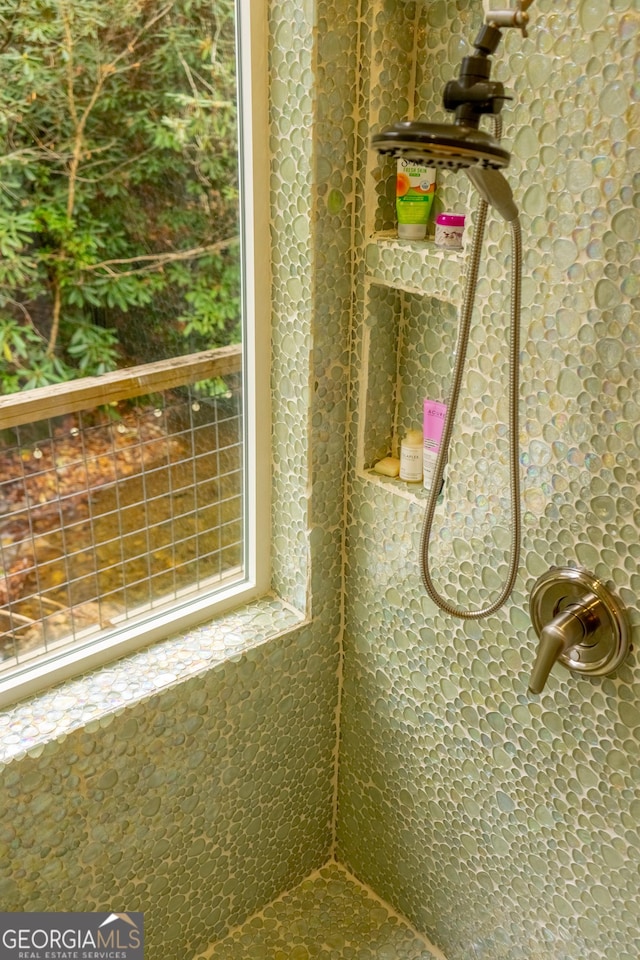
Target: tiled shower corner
(329,916)
(503,827)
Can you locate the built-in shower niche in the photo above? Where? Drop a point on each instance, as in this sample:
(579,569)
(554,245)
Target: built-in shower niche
(411,324)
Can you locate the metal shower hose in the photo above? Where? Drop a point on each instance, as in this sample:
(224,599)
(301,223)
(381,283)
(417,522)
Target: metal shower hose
(514,351)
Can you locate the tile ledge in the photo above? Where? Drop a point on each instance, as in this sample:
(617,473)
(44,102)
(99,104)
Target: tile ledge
(390,240)
(28,726)
(414,492)
(415,266)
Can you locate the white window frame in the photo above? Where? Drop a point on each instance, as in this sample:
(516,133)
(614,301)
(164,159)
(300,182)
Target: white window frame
(40,673)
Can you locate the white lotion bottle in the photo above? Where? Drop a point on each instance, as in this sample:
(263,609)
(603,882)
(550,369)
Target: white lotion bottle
(411,457)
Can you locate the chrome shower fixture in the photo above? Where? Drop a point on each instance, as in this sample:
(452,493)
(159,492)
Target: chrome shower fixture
(461,145)
(518,17)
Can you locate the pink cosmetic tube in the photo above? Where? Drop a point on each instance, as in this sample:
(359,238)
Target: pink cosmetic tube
(434,417)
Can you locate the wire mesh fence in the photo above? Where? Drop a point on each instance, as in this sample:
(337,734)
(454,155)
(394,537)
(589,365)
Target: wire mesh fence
(114,512)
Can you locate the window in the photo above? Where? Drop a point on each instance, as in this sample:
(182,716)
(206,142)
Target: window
(132,352)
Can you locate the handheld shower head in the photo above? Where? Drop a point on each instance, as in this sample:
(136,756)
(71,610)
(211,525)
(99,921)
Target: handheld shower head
(448,146)
(463,146)
(451,146)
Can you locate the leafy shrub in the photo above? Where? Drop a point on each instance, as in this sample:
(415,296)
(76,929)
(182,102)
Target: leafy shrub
(118,184)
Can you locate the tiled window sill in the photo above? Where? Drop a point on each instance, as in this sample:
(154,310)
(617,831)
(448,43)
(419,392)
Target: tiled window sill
(28,726)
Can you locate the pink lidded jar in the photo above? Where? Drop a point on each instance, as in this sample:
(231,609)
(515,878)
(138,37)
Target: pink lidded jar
(449,230)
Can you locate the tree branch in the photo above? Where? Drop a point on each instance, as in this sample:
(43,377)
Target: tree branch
(157,261)
(104,71)
(25,313)
(57,311)
(111,171)
(71,96)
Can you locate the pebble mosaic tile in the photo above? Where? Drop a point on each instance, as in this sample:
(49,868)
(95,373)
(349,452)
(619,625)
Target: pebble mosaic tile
(503,825)
(196,805)
(417,267)
(329,916)
(28,726)
(292,234)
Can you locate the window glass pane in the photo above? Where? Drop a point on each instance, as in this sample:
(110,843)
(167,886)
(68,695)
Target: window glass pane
(119,254)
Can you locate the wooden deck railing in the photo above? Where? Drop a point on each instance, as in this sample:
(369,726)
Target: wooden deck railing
(89,392)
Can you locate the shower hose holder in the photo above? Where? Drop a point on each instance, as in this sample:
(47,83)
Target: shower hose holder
(581,623)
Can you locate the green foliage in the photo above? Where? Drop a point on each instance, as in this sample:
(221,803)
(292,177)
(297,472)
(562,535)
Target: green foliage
(214,307)
(94,348)
(24,361)
(118,184)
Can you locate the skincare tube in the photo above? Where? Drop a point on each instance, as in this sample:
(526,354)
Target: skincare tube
(434,417)
(415,189)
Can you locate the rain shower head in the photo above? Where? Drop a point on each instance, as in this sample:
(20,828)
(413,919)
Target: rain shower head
(447,146)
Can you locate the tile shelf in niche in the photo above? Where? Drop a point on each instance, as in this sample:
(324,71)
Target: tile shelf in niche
(415,266)
(414,492)
(404,333)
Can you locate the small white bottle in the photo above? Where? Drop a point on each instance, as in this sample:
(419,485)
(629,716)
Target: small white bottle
(411,457)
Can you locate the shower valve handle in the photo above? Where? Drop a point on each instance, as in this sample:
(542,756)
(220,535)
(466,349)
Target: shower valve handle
(581,623)
(573,626)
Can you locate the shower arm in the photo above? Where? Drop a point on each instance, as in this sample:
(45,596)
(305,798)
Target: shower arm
(473,94)
(517,17)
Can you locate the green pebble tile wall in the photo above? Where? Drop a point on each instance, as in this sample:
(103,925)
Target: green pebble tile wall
(503,826)
(195,806)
